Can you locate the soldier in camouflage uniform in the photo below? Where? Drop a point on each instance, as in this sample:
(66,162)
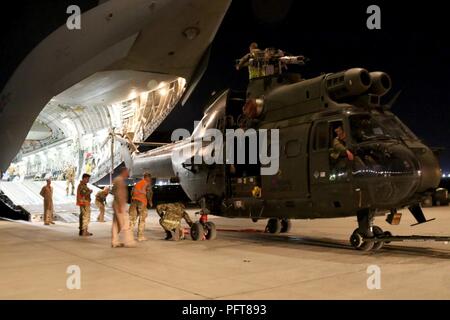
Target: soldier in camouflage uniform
(70,179)
(100,202)
(141,200)
(84,202)
(171,215)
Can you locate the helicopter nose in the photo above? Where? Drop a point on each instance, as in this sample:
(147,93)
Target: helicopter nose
(390,173)
(429,168)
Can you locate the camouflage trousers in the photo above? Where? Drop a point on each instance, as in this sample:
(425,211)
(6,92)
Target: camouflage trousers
(169,225)
(101,207)
(172,228)
(85,217)
(138,211)
(68,183)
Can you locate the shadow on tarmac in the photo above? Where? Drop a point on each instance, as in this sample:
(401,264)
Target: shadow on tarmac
(310,243)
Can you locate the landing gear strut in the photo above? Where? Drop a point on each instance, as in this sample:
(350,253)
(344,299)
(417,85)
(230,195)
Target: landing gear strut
(203,229)
(365,236)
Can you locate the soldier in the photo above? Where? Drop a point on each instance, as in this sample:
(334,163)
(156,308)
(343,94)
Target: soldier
(340,150)
(253,60)
(171,215)
(121,223)
(141,200)
(84,202)
(70,179)
(100,202)
(47,194)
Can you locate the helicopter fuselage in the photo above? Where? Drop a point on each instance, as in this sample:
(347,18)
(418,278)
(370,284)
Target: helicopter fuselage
(391,167)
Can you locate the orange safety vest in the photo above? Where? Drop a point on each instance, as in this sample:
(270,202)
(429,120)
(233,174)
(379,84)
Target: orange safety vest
(140,192)
(83,199)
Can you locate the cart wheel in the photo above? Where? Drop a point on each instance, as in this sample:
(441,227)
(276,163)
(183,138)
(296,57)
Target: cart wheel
(197,231)
(211,233)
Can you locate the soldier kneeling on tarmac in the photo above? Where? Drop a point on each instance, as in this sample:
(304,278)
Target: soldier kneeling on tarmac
(171,215)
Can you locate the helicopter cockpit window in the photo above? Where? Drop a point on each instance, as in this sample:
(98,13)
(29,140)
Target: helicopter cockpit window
(365,128)
(394,127)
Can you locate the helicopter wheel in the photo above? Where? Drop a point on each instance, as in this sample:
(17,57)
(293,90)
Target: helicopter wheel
(211,232)
(273,226)
(286,225)
(377,231)
(357,241)
(387,234)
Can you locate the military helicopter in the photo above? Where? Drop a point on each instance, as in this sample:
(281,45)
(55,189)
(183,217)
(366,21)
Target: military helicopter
(390,168)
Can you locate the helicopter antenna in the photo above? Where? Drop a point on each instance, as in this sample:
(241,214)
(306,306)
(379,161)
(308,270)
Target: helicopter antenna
(393,100)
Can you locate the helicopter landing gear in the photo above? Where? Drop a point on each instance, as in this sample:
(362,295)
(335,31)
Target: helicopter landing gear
(358,242)
(273,225)
(377,232)
(364,230)
(365,236)
(203,229)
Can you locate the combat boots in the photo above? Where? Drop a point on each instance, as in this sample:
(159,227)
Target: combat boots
(85,233)
(168,235)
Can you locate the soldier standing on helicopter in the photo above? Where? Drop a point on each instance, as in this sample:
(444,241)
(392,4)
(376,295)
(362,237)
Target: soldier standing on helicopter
(253,60)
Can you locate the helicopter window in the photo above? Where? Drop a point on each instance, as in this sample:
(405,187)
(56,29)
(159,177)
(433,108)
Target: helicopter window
(321,136)
(365,128)
(395,127)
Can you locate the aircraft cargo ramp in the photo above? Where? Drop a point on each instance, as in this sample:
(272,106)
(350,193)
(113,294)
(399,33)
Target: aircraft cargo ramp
(25,194)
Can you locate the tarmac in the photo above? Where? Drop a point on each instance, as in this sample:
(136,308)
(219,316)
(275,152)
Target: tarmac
(313,261)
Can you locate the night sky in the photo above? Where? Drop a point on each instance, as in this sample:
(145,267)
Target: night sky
(413,47)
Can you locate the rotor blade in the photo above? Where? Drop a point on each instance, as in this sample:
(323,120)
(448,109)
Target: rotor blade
(105,142)
(121,139)
(127,141)
(151,144)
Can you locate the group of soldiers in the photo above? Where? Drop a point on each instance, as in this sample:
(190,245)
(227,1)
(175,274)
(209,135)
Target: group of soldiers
(124,221)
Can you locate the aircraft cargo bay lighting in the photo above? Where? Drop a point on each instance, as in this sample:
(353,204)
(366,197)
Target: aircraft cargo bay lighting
(125,72)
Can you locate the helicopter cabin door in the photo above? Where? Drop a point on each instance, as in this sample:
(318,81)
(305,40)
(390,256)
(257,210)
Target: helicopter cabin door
(329,184)
(291,181)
